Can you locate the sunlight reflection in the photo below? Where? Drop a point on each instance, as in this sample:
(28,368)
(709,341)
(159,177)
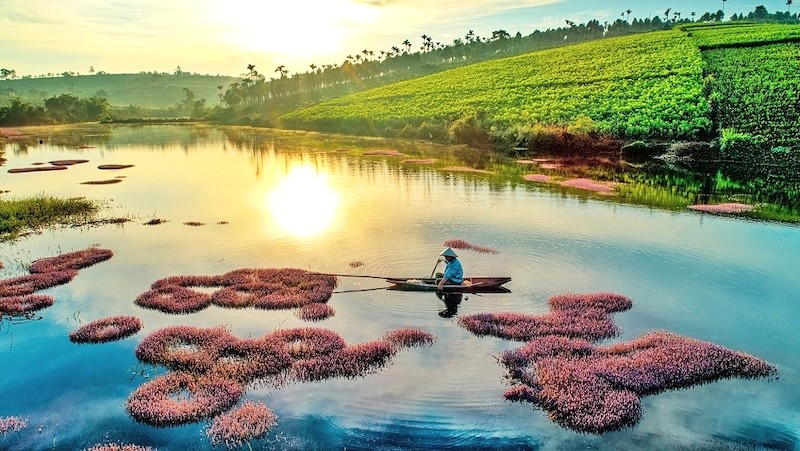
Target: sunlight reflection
(303,203)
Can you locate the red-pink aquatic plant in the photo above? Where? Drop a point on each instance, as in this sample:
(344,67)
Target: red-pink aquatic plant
(12,424)
(114,166)
(67,162)
(349,362)
(119,447)
(174,299)
(307,342)
(461,244)
(23,305)
(606,188)
(315,312)
(356,264)
(36,169)
(29,283)
(408,337)
(724,208)
(106,329)
(179,398)
(71,260)
(183,347)
(244,360)
(186,281)
(538,178)
(598,390)
(250,421)
(102,182)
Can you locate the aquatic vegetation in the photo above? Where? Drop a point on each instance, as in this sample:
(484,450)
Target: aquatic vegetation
(408,337)
(387,153)
(173,299)
(71,260)
(724,208)
(584,316)
(102,182)
(183,348)
(178,398)
(67,162)
(114,166)
(22,305)
(419,161)
(36,169)
(538,178)
(118,447)
(356,264)
(211,367)
(194,223)
(106,329)
(606,188)
(29,283)
(461,244)
(186,281)
(598,389)
(155,221)
(250,421)
(315,312)
(31,213)
(12,424)
(466,169)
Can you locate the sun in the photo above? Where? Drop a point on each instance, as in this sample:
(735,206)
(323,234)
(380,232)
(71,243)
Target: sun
(293,28)
(303,204)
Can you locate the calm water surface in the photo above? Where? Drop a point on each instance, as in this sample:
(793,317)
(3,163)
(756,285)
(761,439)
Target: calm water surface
(275,200)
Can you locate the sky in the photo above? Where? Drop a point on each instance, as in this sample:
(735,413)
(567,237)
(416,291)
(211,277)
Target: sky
(225,36)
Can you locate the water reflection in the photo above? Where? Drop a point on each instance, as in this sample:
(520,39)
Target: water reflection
(303,204)
(451,303)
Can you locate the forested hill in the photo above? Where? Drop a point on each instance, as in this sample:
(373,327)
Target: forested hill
(153,90)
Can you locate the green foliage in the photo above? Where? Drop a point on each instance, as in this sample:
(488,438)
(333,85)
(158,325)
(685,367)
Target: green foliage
(65,108)
(469,130)
(657,91)
(18,215)
(728,35)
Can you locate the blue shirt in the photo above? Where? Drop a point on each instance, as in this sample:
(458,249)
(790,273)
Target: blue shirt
(453,271)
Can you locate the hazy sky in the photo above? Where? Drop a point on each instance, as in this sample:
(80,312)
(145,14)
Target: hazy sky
(224,36)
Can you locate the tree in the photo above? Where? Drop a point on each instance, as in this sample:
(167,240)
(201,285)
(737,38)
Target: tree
(789,7)
(7,74)
(500,35)
(282,70)
(628,11)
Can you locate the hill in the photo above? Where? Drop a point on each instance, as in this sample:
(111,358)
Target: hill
(154,90)
(686,83)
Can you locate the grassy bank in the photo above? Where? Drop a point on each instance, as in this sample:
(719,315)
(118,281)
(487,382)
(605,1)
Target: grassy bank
(18,216)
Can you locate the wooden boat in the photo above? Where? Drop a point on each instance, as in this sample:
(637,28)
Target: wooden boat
(470,285)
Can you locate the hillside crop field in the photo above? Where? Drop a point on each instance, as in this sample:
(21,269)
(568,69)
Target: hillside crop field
(633,86)
(659,85)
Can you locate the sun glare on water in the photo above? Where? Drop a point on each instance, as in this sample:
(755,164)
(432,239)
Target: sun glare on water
(303,204)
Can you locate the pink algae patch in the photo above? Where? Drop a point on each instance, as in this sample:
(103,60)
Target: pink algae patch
(67,162)
(106,329)
(12,424)
(596,389)
(606,188)
(119,447)
(725,208)
(467,169)
(250,421)
(102,182)
(539,178)
(114,166)
(461,244)
(419,161)
(385,152)
(315,312)
(37,169)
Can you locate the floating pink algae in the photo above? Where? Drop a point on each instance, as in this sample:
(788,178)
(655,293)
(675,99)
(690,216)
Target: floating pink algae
(106,329)
(598,389)
(315,312)
(212,363)
(12,424)
(409,337)
(726,208)
(250,421)
(539,178)
(118,447)
(67,162)
(590,185)
(37,169)
(71,260)
(114,166)
(24,305)
(461,244)
(179,398)
(174,299)
(102,182)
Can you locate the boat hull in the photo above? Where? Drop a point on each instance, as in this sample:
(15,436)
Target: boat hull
(470,285)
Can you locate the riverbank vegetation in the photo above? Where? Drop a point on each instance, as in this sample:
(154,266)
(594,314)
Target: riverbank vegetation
(22,215)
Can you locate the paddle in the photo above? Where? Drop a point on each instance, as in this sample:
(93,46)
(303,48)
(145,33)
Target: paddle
(435,266)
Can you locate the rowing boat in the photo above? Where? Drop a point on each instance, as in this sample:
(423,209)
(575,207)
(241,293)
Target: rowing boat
(470,285)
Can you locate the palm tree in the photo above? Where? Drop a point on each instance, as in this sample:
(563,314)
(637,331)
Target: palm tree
(407,44)
(723,6)
(789,7)
(282,70)
(666,14)
(470,36)
(628,11)
(694,14)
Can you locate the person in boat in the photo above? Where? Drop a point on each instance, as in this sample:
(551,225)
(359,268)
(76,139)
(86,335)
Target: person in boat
(453,271)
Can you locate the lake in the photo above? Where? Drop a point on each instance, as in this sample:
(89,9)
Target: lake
(270,199)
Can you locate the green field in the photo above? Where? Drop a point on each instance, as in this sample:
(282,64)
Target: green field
(659,85)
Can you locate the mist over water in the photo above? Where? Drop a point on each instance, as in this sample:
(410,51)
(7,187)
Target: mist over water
(293,200)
